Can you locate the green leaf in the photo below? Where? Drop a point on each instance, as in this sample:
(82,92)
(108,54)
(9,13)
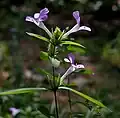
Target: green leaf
(70,85)
(22,90)
(44,55)
(76,49)
(88,72)
(44,111)
(72,43)
(55,62)
(57,32)
(28,109)
(38,36)
(85,96)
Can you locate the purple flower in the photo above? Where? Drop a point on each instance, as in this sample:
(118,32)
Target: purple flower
(76,15)
(77,27)
(14,111)
(39,18)
(74,66)
(42,16)
(71,59)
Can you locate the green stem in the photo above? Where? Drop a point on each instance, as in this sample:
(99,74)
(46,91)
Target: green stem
(53,71)
(56,104)
(54,83)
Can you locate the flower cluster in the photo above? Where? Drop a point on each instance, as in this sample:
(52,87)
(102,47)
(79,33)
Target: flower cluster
(38,19)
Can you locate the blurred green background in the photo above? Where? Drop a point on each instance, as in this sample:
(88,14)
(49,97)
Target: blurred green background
(19,54)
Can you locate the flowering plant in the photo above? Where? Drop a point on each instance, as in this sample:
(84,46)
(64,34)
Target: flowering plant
(56,41)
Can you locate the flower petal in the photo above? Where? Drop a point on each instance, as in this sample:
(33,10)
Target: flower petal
(74,29)
(36,15)
(43,18)
(44,11)
(80,66)
(76,15)
(84,28)
(71,58)
(41,25)
(29,18)
(40,18)
(69,71)
(66,60)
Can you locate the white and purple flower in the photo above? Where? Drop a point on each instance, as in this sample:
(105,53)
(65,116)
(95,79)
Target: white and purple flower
(39,18)
(74,66)
(14,111)
(77,27)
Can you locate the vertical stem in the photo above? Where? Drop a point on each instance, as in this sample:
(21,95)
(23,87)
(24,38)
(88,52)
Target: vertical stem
(53,71)
(54,83)
(56,104)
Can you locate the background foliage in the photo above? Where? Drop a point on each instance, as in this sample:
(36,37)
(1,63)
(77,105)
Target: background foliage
(19,55)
